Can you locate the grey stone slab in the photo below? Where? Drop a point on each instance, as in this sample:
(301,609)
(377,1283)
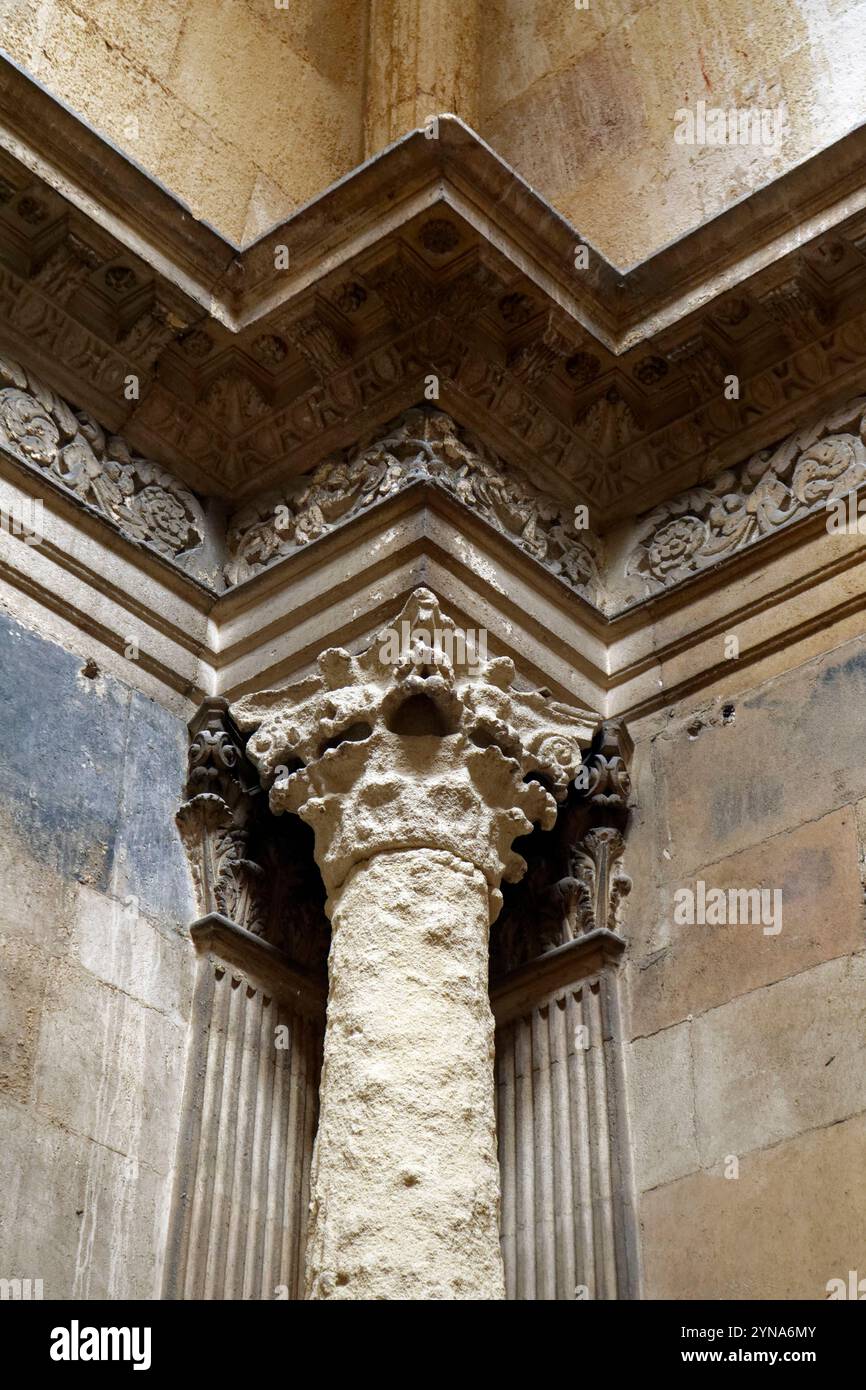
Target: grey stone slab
(662,1107)
(62,741)
(109,1067)
(87,1221)
(148,863)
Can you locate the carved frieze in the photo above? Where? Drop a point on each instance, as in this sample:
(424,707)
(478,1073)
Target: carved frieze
(65,269)
(423,446)
(141,500)
(773,489)
(609,423)
(689,534)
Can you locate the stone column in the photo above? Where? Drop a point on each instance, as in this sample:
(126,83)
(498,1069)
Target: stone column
(417,768)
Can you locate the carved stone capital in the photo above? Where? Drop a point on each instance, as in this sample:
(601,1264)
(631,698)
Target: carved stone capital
(215,821)
(576,883)
(416,744)
(596,881)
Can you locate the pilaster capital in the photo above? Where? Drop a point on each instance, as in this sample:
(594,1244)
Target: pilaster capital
(214,820)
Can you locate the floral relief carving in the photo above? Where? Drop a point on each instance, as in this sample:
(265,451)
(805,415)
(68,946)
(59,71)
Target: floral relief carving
(144,502)
(422,446)
(774,488)
(692,532)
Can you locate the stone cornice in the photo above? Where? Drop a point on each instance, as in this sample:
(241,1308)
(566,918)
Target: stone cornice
(259,962)
(580,959)
(48,138)
(775,490)
(434,259)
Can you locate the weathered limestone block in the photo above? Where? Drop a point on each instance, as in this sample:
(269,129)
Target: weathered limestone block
(417,766)
(662,1092)
(705,800)
(793,1220)
(781,1060)
(690,968)
(85,1218)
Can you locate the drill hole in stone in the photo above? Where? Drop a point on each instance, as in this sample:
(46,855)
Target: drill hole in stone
(356,733)
(484,738)
(542,779)
(290,766)
(419,717)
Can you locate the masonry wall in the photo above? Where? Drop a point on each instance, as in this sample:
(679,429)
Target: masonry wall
(96,972)
(745,1044)
(246,110)
(582,103)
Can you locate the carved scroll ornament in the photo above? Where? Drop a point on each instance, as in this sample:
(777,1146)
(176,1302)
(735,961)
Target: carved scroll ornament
(144,502)
(575,882)
(422,446)
(774,488)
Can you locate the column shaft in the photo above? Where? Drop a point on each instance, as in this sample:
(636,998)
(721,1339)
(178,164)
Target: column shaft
(405,1181)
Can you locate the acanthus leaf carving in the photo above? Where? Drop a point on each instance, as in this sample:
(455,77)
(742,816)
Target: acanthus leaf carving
(65,269)
(421,446)
(341,749)
(235,401)
(144,502)
(151,332)
(216,820)
(224,877)
(609,423)
(774,488)
(319,343)
(536,359)
(575,883)
(600,882)
(246,865)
